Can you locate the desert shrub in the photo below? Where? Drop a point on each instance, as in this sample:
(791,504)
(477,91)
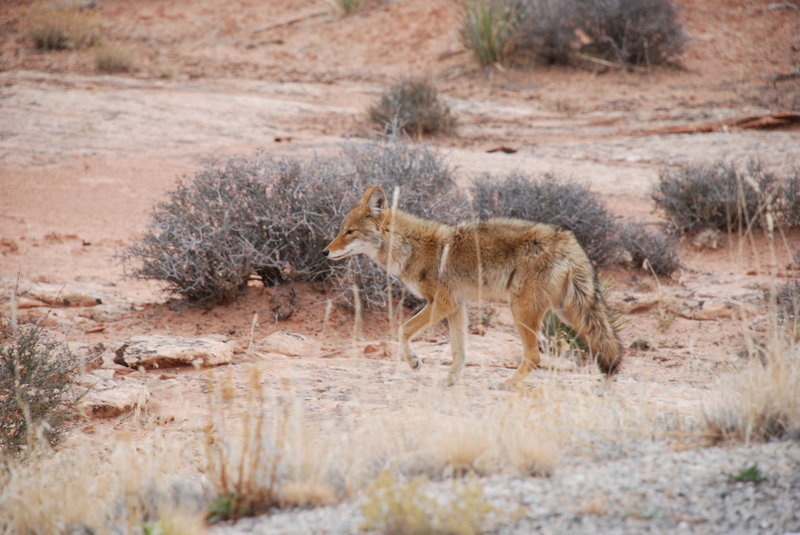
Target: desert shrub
(412,105)
(60,26)
(113,58)
(658,249)
(259,216)
(762,400)
(270,219)
(787,299)
(728,197)
(548,199)
(35,395)
(786,202)
(629,32)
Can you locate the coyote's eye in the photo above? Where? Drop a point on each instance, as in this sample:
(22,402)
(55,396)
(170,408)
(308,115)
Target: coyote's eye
(350,232)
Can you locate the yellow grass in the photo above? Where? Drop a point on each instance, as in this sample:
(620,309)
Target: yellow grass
(762,400)
(60,25)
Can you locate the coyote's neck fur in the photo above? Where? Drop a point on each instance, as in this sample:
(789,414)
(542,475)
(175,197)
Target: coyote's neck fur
(401,234)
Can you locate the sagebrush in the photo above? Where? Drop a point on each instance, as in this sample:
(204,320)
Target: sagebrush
(550,199)
(651,250)
(36,374)
(412,105)
(728,196)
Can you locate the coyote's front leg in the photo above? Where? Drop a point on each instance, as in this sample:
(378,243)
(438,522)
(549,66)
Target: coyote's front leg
(457,321)
(432,313)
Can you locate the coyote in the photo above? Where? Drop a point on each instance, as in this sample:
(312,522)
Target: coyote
(534,266)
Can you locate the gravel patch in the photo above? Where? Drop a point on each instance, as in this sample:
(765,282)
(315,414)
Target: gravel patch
(658,491)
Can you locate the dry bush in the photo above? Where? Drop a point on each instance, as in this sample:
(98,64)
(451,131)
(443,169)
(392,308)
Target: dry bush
(761,401)
(787,299)
(60,25)
(271,219)
(246,217)
(548,199)
(786,201)
(651,250)
(114,58)
(36,373)
(413,106)
(626,32)
(719,195)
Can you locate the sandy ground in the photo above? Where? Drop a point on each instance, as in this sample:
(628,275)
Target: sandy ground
(84,156)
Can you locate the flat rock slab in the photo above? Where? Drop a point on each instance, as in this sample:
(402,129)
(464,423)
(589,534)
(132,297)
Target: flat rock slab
(290,344)
(164,352)
(108,399)
(61,295)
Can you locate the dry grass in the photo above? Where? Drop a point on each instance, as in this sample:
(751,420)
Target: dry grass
(113,58)
(347,7)
(91,489)
(62,25)
(263,460)
(489,29)
(261,451)
(762,400)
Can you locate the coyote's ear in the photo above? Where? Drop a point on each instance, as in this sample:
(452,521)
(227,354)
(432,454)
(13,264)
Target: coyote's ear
(376,200)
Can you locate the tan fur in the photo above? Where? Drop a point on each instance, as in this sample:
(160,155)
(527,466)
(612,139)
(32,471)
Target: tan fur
(535,267)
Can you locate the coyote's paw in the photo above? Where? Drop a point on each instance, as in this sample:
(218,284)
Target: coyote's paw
(414,362)
(448,381)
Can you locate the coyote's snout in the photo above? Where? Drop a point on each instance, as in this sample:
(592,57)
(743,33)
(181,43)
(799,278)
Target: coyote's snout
(535,267)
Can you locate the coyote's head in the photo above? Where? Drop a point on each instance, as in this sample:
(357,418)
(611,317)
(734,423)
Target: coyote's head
(360,232)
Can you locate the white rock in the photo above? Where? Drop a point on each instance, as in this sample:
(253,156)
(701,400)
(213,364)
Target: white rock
(115,399)
(153,351)
(289,343)
(61,294)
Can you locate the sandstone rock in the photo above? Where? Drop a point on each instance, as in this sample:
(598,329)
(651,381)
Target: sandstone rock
(635,305)
(61,295)
(107,399)
(708,310)
(153,351)
(291,344)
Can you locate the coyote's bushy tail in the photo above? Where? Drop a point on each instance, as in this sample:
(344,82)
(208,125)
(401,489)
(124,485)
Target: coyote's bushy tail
(586,310)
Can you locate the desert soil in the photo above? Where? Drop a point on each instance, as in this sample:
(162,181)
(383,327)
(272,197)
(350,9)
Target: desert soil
(84,156)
